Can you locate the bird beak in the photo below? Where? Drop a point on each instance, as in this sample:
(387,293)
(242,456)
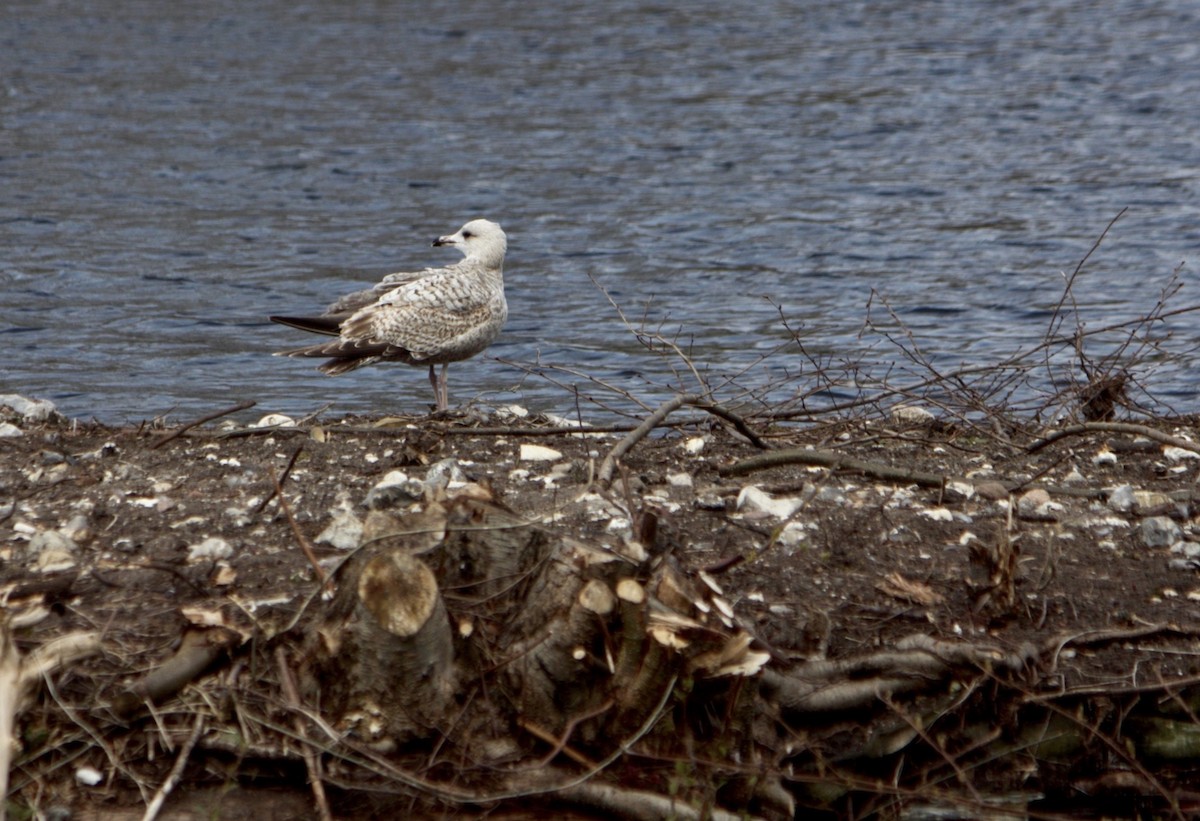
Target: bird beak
(451,239)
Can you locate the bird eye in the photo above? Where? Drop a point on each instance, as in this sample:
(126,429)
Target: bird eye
(467,235)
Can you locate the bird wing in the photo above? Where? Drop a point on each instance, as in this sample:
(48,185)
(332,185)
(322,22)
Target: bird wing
(427,317)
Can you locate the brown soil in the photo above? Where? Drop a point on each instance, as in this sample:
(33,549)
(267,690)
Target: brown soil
(879,561)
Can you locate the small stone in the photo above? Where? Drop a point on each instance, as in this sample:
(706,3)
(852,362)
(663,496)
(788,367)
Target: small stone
(88,776)
(680,479)
(830,495)
(1149,499)
(9,430)
(694,445)
(1189,550)
(344,532)
(444,473)
(1159,531)
(1175,454)
(539,453)
(938,514)
(213,548)
(911,415)
(275,420)
(55,559)
(395,490)
(991,490)
(752,498)
(78,529)
(792,534)
(1121,498)
(1104,458)
(51,540)
(1031,500)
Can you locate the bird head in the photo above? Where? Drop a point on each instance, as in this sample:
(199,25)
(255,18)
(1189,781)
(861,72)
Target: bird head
(481,240)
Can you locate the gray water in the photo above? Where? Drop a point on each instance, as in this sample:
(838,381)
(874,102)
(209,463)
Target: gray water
(172,173)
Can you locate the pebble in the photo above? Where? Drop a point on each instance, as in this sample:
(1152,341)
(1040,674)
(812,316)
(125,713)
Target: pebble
(396,489)
(274,420)
(539,453)
(1175,454)
(1159,531)
(88,776)
(443,474)
(680,479)
(212,548)
(344,532)
(1121,498)
(1189,550)
(8,430)
(911,415)
(752,498)
(51,540)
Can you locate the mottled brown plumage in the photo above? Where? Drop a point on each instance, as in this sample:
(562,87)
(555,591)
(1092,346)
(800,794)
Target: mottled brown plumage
(430,317)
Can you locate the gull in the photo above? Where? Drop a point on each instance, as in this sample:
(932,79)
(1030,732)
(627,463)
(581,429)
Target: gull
(430,317)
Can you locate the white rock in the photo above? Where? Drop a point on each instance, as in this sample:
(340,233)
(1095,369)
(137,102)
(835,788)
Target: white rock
(539,453)
(275,420)
(88,776)
(1159,531)
(78,529)
(55,559)
(938,514)
(394,490)
(443,474)
(792,534)
(964,490)
(9,430)
(514,411)
(694,445)
(31,410)
(50,540)
(911,415)
(1190,550)
(344,532)
(752,498)
(680,479)
(1175,454)
(1121,498)
(212,548)
(1104,458)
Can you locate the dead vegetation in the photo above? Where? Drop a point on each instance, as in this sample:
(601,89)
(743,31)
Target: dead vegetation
(605,638)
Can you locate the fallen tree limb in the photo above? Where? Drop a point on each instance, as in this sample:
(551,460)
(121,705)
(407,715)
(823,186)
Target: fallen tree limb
(833,461)
(197,651)
(1113,427)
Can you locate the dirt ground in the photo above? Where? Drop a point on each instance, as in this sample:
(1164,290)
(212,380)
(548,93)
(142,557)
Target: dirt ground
(130,534)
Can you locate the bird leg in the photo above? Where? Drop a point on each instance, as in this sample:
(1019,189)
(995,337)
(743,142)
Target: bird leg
(444,390)
(440,394)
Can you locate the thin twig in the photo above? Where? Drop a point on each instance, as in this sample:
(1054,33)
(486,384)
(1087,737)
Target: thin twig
(160,797)
(279,484)
(179,431)
(311,762)
(305,545)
